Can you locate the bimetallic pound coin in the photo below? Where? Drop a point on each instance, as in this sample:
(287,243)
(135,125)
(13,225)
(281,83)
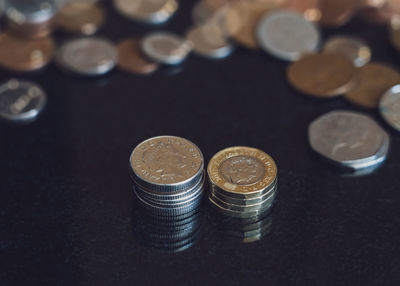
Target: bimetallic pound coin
(287,35)
(373,80)
(353,48)
(87,56)
(25,55)
(349,139)
(21,100)
(84,18)
(322,75)
(389,107)
(130,58)
(166,48)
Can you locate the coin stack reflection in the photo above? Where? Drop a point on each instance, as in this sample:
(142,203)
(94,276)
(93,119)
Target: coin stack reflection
(243,182)
(168,175)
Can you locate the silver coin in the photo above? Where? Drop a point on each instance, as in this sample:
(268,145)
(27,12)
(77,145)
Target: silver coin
(23,11)
(287,35)
(353,48)
(21,100)
(149,11)
(389,107)
(88,56)
(166,48)
(209,41)
(349,139)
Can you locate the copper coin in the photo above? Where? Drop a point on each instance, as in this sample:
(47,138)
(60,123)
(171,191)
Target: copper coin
(337,13)
(30,30)
(309,8)
(82,18)
(373,80)
(131,59)
(322,74)
(25,55)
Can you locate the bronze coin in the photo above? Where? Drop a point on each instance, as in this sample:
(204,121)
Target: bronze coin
(29,30)
(322,74)
(337,13)
(82,18)
(373,80)
(131,59)
(25,55)
(309,8)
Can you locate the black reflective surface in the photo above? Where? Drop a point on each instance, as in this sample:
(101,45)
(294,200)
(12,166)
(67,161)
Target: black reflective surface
(68,217)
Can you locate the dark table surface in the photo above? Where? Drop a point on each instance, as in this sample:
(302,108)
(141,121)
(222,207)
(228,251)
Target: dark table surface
(68,216)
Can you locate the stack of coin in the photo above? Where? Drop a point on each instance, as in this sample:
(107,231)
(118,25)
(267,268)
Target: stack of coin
(243,181)
(168,175)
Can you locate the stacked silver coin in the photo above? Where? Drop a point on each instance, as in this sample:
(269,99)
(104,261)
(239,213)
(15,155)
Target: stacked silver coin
(168,175)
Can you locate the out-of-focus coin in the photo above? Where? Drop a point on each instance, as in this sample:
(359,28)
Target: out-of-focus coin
(130,58)
(395,32)
(337,13)
(287,35)
(166,48)
(81,18)
(373,80)
(309,8)
(322,75)
(88,56)
(201,13)
(149,11)
(380,15)
(349,139)
(209,41)
(355,49)
(25,55)
(21,100)
(389,107)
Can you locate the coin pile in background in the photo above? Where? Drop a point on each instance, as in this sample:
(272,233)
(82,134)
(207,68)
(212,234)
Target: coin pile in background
(168,175)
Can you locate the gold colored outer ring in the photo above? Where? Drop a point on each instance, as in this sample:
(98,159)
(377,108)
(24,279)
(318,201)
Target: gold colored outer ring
(216,178)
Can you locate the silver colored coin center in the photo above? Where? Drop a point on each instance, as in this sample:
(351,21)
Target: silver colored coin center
(242,170)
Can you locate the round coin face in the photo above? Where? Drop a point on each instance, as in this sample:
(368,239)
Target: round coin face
(347,138)
(166,161)
(287,35)
(130,58)
(322,75)
(389,107)
(353,48)
(21,100)
(373,80)
(242,170)
(88,56)
(166,48)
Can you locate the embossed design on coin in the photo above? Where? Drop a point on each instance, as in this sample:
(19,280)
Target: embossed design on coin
(389,107)
(242,170)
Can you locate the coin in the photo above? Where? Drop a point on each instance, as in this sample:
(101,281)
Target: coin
(82,18)
(337,13)
(131,60)
(166,48)
(389,107)
(373,80)
(309,8)
(348,139)
(208,41)
(30,30)
(238,214)
(381,15)
(87,56)
(322,75)
(287,35)
(201,13)
(21,100)
(353,48)
(25,55)
(149,11)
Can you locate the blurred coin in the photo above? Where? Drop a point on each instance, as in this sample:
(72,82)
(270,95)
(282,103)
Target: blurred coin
(389,107)
(349,139)
(338,12)
(373,80)
(84,18)
(21,100)
(25,55)
(149,11)
(166,48)
(201,12)
(353,48)
(287,35)
(88,56)
(309,8)
(322,75)
(130,58)
(380,15)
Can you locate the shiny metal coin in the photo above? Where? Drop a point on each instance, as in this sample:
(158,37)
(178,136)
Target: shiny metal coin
(353,48)
(287,35)
(87,56)
(166,48)
(389,107)
(21,100)
(243,208)
(348,139)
